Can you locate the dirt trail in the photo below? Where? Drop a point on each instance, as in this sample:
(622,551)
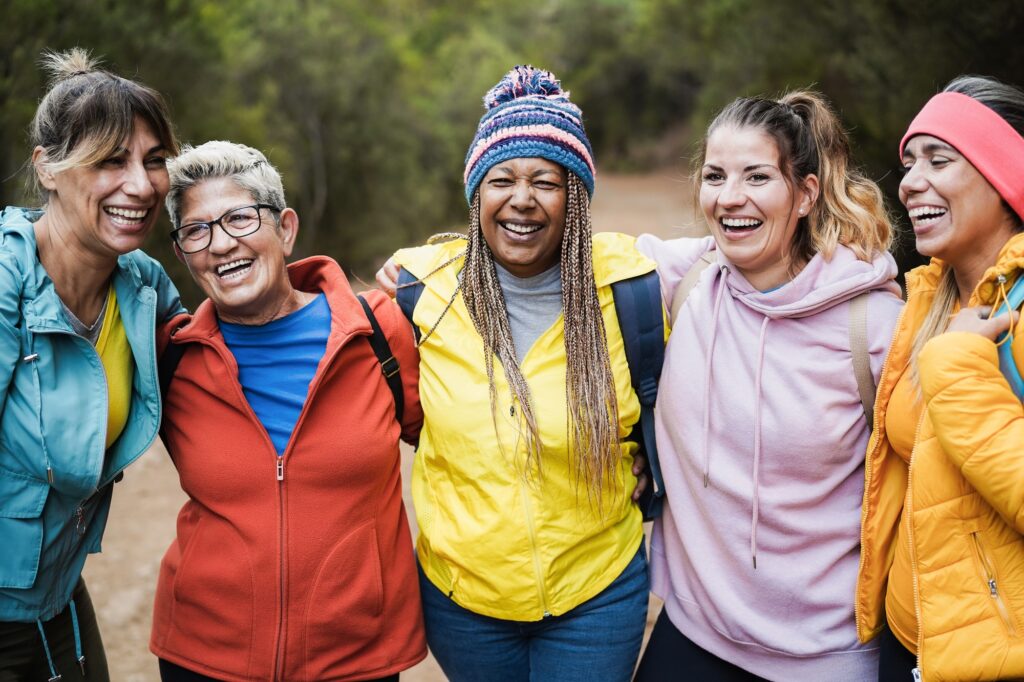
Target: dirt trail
(123,577)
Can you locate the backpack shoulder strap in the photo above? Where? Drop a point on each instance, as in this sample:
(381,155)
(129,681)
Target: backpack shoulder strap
(687,283)
(1007,365)
(166,366)
(388,363)
(407,295)
(858,330)
(639,308)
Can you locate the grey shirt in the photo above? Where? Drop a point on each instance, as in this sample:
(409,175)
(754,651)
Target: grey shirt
(533,304)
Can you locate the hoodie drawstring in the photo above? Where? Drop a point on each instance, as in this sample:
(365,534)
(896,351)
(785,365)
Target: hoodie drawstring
(755,497)
(707,382)
(54,675)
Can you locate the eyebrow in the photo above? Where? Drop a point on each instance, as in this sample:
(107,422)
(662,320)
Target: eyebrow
(929,148)
(745,169)
(542,171)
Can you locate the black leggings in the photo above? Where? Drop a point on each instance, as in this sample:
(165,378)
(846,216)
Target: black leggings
(170,672)
(23,656)
(895,661)
(670,655)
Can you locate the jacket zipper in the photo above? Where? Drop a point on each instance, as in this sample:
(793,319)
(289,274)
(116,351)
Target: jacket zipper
(279,654)
(867,465)
(989,575)
(537,567)
(908,507)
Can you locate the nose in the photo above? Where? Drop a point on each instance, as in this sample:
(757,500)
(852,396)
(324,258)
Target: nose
(220,240)
(732,194)
(914,180)
(522,196)
(138,182)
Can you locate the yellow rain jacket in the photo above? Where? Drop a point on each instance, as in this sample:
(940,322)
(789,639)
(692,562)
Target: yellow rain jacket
(496,543)
(963,490)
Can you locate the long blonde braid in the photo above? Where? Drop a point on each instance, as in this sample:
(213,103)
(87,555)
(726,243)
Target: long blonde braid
(591,404)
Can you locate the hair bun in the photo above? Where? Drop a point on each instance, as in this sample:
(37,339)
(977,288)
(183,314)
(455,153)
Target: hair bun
(524,81)
(64,65)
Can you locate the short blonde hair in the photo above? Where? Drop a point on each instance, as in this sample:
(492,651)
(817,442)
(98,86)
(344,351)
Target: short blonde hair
(246,167)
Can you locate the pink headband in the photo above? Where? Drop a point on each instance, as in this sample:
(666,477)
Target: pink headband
(982,136)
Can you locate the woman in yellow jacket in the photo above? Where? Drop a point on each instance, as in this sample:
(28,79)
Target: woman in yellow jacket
(530,548)
(942,556)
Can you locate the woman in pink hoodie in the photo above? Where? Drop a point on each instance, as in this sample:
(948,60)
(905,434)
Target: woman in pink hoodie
(760,419)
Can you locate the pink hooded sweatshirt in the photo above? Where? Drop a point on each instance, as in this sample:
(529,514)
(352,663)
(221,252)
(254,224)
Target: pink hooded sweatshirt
(758,398)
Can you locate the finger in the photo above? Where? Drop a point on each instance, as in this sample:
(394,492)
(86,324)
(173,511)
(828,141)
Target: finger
(392,269)
(641,486)
(1001,322)
(639,464)
(386,283)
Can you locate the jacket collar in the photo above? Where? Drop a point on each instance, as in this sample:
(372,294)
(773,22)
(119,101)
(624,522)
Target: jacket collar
(1009,264)
(314,274)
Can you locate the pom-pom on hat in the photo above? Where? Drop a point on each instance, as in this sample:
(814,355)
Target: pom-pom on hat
(529,115)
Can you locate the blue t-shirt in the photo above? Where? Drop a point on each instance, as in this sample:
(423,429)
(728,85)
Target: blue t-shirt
(276,362)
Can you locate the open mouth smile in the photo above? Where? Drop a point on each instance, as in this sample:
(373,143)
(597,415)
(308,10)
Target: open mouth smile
(126,217)
(235,269)
(521,228)
(923,216)
(737,225)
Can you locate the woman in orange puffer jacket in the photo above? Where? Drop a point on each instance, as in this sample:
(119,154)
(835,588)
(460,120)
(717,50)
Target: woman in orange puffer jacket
(942,556)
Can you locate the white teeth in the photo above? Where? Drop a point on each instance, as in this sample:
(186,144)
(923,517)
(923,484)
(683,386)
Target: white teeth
(740,222)
(926,212)
(126,213)
(221,269)
(521,229)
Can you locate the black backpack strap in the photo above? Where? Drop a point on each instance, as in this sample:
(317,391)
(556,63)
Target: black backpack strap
(388,363)
(407,295)
(166,366)
(639,308)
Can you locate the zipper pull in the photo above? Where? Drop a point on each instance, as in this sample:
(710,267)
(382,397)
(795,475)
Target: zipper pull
(992,588)
(916,672)
(80,520)
(280,468)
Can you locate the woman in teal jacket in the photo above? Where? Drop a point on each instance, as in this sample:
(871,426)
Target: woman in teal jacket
(79,399)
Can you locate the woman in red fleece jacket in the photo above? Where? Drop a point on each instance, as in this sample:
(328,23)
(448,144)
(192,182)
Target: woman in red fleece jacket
(293,558)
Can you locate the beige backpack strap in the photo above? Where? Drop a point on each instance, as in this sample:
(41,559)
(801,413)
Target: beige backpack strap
(687,283)
(861,357)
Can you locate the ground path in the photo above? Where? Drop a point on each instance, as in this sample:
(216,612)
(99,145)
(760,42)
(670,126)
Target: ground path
(122,579)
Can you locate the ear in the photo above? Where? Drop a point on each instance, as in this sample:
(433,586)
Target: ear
(39,164)
(808,194)
(288,226)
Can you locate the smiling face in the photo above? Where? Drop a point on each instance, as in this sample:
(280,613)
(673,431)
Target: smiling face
(749,204)
(109,208)
(522,214)
(245,277)
(956,214)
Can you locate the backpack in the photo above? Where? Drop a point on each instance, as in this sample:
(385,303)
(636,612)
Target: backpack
(171,357)
(1007,365)
(858,330)
(639,309)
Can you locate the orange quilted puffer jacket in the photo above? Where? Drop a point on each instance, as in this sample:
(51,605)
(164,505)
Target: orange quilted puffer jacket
(964,492)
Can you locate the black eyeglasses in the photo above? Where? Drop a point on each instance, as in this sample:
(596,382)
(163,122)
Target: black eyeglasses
(238,222)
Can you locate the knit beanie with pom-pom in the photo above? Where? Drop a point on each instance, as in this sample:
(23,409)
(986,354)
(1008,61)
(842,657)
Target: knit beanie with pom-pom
(529,115)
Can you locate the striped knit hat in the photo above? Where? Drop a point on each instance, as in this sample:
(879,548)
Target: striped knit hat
(529,115)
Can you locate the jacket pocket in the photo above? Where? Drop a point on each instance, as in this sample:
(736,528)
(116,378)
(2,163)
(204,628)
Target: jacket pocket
(987,571)
(212,611)
(21,526)
(344,608)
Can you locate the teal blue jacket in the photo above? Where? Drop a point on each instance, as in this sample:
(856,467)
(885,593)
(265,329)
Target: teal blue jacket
(56,474)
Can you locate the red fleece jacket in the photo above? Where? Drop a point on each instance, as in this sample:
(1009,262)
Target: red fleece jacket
(307,574)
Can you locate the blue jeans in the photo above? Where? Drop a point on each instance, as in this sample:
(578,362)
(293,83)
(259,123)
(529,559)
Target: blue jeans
(597,641)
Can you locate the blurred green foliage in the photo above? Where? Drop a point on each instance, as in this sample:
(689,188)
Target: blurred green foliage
(367,106)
